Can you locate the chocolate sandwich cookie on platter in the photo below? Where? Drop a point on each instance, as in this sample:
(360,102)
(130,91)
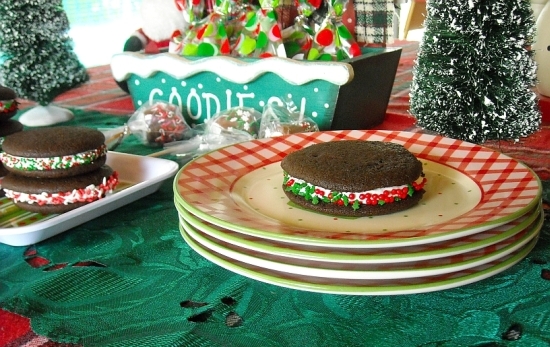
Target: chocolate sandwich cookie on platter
(8,103)
(353,178)
(54,152)
(7,127)
(3,172)
(58,195)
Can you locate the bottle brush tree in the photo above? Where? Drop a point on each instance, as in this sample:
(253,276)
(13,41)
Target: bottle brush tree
(36,52)
(474,76)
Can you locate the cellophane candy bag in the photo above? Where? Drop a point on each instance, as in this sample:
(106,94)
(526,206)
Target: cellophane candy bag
(333,40)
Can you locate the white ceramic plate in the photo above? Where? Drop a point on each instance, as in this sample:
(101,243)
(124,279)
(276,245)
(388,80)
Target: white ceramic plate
(427,251)
(470,189)
(413,269)
(139,176)
(363,287)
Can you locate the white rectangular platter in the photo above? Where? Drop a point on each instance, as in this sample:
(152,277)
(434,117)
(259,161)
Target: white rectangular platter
(139,177)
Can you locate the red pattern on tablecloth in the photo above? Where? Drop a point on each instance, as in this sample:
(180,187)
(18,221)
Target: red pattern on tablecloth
(102,94)
(15,331)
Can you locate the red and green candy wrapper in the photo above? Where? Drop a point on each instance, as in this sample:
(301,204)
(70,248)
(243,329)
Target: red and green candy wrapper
(307,7)
(210,36)
(333,40)
(176,42)
(260,35)
(157,123)
(298,38)
(192,10)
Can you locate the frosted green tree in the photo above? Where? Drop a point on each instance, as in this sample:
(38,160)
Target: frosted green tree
(37,57)
(474,75)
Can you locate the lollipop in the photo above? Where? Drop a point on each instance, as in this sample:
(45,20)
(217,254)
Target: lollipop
(227,127)
(176,42)
(333,41)
(236,119)
(284,120)
(192,11)
(157,123)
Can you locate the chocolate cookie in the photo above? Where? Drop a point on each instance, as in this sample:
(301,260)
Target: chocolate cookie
(8,127)
(3,172)
(8,104)
(353,178)
(58,195)
(61,151)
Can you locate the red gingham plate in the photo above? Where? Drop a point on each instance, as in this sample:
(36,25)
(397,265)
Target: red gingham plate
(470,189)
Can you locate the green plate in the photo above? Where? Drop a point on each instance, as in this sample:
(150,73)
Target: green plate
(453,247)
(353,271)
(363,287)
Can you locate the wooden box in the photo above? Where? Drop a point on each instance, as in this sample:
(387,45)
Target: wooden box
(351,94)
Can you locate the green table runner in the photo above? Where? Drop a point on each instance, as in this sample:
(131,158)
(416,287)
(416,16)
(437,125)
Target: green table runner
(128,278)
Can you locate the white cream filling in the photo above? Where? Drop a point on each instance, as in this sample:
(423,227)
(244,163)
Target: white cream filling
(88,194)
(362,197)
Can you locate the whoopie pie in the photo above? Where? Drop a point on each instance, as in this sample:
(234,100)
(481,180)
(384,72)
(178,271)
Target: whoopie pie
(54,152)
(59,195)
(8,103)
(353,178)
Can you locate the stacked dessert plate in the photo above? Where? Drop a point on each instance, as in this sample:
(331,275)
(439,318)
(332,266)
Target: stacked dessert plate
(480,215)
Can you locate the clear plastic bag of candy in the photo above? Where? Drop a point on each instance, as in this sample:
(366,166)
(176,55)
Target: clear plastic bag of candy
(244,121)
(237,124)
(157,123)
(280,120)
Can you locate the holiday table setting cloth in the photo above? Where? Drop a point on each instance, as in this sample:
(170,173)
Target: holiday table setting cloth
(128,278)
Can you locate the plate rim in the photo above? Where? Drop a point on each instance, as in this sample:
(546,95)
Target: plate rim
(58,223)
(350,134)
(196,223)
(366,290)
(447,268)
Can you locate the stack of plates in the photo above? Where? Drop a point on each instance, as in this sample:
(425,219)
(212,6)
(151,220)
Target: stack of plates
(480,215)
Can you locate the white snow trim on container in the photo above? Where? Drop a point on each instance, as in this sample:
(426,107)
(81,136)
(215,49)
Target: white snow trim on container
(297,72)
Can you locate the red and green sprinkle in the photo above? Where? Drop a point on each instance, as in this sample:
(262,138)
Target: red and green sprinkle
(52,163)
(381,196)
(88,194)
(7,106)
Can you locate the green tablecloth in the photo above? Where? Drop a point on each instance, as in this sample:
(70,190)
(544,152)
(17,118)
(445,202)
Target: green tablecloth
(139,284)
